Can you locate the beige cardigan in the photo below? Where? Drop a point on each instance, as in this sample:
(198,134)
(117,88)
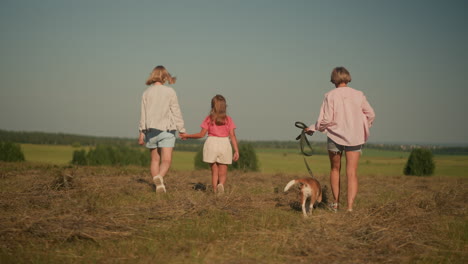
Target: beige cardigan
(160,109)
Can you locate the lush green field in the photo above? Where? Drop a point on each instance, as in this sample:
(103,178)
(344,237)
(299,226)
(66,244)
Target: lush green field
(52,154)
(373,162)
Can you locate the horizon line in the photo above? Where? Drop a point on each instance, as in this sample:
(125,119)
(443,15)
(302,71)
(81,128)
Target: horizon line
(418,143)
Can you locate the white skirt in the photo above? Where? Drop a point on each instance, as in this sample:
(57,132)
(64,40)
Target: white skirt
(217,149)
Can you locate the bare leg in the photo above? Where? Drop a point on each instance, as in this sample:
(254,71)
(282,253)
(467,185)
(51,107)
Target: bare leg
(166,160)
(161,159)
(335,167)
(214,175)
(222,173)
(155,159)
(352,160)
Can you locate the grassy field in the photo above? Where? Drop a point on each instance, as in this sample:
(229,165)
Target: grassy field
(67,214)
(372,162)
(50,154)
(56,213)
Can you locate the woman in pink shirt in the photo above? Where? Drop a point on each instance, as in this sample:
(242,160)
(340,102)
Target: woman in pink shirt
(217,150)
(345,116)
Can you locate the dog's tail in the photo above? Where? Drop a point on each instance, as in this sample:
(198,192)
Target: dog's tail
(289,185)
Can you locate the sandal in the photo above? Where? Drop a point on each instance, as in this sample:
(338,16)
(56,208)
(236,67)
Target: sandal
(333,207)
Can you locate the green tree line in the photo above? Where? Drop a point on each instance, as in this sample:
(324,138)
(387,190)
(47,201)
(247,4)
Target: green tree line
(111,155)
(194,145)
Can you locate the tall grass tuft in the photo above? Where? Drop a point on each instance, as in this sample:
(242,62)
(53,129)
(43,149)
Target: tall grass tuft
(420,163)
(10,152)
(64,179)
(248,160)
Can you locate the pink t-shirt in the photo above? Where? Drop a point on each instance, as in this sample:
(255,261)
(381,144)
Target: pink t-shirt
(345,116)
(218,131)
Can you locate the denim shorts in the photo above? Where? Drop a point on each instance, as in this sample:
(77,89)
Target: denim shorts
(156,138)
(334,147)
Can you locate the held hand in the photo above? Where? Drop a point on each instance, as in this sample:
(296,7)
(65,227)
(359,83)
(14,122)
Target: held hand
(308,131)
(183,136)
(235,157)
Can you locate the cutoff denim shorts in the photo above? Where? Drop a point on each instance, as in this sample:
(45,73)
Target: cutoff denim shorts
(156,138)
(334,147)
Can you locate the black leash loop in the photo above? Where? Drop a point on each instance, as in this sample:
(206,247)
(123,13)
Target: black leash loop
(304,141)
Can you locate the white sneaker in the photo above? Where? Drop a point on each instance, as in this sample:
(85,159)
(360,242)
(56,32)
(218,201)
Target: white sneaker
(159,182)
(220,188)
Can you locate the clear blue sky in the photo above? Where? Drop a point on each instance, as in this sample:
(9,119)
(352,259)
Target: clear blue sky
(80,66)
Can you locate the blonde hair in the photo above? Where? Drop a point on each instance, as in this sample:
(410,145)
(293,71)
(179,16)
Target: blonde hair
(340,75)
(160,74)
(218,110)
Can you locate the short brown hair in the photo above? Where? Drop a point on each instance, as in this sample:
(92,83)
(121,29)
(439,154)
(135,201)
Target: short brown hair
(340,75)
(160,74)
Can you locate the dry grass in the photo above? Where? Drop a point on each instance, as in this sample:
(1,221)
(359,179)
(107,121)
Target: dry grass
(56,214)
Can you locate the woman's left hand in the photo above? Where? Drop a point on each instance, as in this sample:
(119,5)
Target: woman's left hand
(308,131)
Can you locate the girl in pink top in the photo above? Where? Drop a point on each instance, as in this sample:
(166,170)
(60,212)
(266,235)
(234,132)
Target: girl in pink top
(217,150)
(345,116)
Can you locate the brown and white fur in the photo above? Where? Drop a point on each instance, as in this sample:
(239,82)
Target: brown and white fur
(310,188)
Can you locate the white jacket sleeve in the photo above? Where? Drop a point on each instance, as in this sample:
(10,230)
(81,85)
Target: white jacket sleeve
(142,125)
(177,114)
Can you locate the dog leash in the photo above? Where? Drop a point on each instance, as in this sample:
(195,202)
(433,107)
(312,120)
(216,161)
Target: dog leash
(303,139)
(302,142)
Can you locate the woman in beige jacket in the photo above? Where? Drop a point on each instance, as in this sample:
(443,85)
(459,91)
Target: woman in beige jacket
(160,119)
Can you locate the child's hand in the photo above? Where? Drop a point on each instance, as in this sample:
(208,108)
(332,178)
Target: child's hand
(183,136)
(235,157)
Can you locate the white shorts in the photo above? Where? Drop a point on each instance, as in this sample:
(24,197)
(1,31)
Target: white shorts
(217,149)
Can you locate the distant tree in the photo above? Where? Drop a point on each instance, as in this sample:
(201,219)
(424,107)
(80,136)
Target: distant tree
(11,152)
(248,160)
(111,155)
(130,156)
(61,139)
(100,155)
(79,157)
(420,163)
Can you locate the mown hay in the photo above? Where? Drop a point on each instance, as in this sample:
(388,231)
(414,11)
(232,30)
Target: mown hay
(116,215)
